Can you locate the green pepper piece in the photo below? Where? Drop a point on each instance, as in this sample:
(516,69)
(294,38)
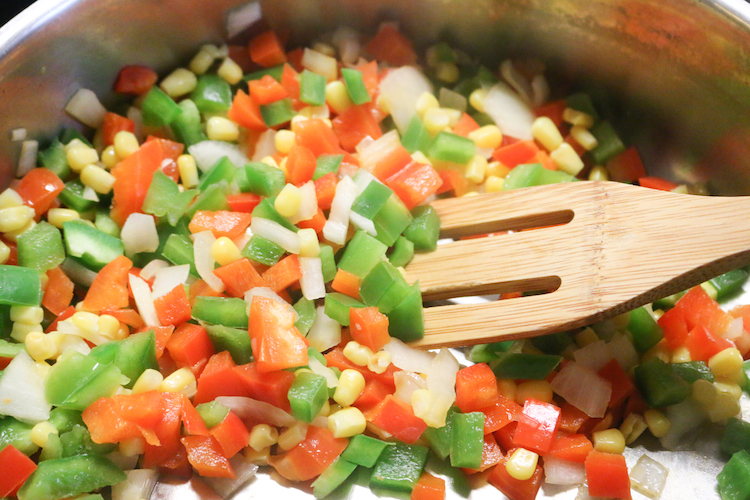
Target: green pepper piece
(212,412)
(734,478)
(18,434)
(327,262)
(314,353)
(484,353)
(384,287)
(78,273)
(659,384)
(441,439)
(364,450)
(372,199)
(93,248)
(399,467)
(646,332)
(52,449)
(274,71)
(164,198)
(77,441)
(312,88)
(54,158)
(451,147)
(416,137)
(337,307)
(525,366)
(222,170)
(467,439)
(355,86)
(187,125)
(263,179)
(401,253)
(72,197)
(482,77)
(736,436)
(424,229)
(553,343)
(20,286)
(41,247)
(391,220)
(325,164)
(65,477)
(266,210)
(7,349)
(609,143)
(67,134)
(581,101)
(331,478)
(179,250)
(693,371)
(234,340)
(159,109)
(406,320)
(75,381)
(10,349)
(277,113)
(362,254)
(227,311)
(212,94)
(262,250)
(728,283)
(105,224)
(64,420)
(212,198)
(306,310)
(307,395)
(136,354)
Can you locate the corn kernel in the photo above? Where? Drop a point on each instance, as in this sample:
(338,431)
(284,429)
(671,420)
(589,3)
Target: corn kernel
(188,171)
(309,244)
(584,137)
(476,169)
(488,137)
(203,60)
(586,336)
(347,422)
(262,436)
(133,447)
(56,216)
(179,82)
(320,112)
(419,157)
(325,410)
(109,157)
(546,132)
(292,436)
(522,464)
(493,184)
(81,155)
(123,332)
(609,441)
(125,144)
(567,159)
(508,388)
(222,129)
(578,118)
(681,189)
(599,173)
(425,102)
(703,392)
(632,427)
(40,433)
(710,289)
(657,422)
(288,200)
(477,98)
(536,389)
(726,362)
(447,72)
(262,457)
(351,384)
(356,353)
(86,321)
(324,48)
(224,251)
(4,252)
(150,380)
(268,160)
(178,381)
(40,346)
(726,404)
(15,218)
(108,326)
(454,116)
(681,355)
(97,179)
(379,362)
(13,235)
(284,140)
(27,314)
(436,120)
(230,71)
(337,96)
(10,198)
(21,330)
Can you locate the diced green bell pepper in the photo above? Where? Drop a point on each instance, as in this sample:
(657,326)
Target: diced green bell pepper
(734,478)
(179,250)
(391,220)
(158,108)
(362,254)
(55,158)
(646,332)
(277,112)
(736,436)
(67,134)
(728,283)
(18,434)
(262,250)
(659,384)
(467,439)
(355,86)
(187,125)
(372,199)
(263,179)
(72,197)
(406,320)
(401,253)
(693,371)
(275,71)
(212,412)
(212,94)
(582,102)
(10,349)
(104,222)
(227,311)
(222,170)
(525,366)
(77,441)
(337,307)
(441,439)
(306,310)
(384,287)
(64,420)
(446,146)
(234,340)
(325,164)
(41,247)
(484,353)
(136,354)
(92,248)
(424,229)
(307,395)
(534,174)
(609,143)
(416,137)
(364,450)
(65,477)
(312,88)
(399,467)
(75,381)
(331,478)
(327,262)
(553,343)
(20,286)
(212,198)
(164,198)
(52,449)
(266,210)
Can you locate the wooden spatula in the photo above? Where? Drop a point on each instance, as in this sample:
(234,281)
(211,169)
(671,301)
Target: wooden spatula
(598,248)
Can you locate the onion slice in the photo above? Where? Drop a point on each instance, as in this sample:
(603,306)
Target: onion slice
(583,388)
(204,262)
(565,472)
(312,283)
(509,112)
(407,358)
(22,391)
(273,231)
(253,410)
(143,300)
(207,153)
(325,332)
(400,90)
(167,278)
(85,107)
(139,484)
(139,234)
(337,225)
(244,470)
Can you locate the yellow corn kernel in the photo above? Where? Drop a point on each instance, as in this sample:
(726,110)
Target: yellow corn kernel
(224,251)
(40,433)
(546,132)
(109,157)
(86,321)
(179,83)
(15,218)
(56,216)
(477,98)
(507,387)
(288,200)
(188,171)
(284,140)
(133,447)
(13,235)
(476,169)
(599,173)
(108,326)
(347,422)
(97,179)
(262,436)
(268,160)
(351,383)
(379,362)
(425,102)
(123,332)
(660,351)
(681,355)
(262,457)
(447,72)
(537,389)
(150,380)
(178,381)
(488,136)
(292,436)
(586,336)
(493,184)
(726,404)
(40,346)
(609,441)
(584,137)
(4,253)
(657,422)
(337,97)
(325,410)
(230,71)
(309,244)
(320,112)
(454,116)
(710,289)
(419,157)
(203,59)
(282,167)
(632,427)
(356,353)
(436,120)
(681,189)
(324,48)
(522,464)
(300,371)
(10,198)
(566,159)
(219,128)
(497,169)
(703,392)
(81,155)
(725,363)
(27,314)
(125,144)
(577,118)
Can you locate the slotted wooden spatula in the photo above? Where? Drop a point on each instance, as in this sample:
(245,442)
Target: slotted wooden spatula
(597,248)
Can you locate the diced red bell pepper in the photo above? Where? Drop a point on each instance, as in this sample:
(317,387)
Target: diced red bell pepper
(271,387)
(700,309)
(504,435)
(231,434)
(310,457)
(318,137)
(537,426)
(239,277)
(135,79)
(325,190)
(300,165)
(133,178)
(190,346)
(114,123)
(39,188)
(607,475)
(373,393)
(59,291)
(15,469)
(571,418)
(369,327)
(476,387)
(243,202)
(571,447)
(205,454)
(465,125)
(657,183)
(491,455)
(110,286)
(453,181)
(627,166)
(390,46)
(219,379)
(173,308)
(220,223)
(267,90)
(702,344)
(335,357)
(276,342)
(428,487)
(552,110)
(122,417)
(674,326)
(516,154)
(501,412)
(622,386)
(283,274)
(397,418)
(354,124)
(415,183)
(267,50)
(513,488)
(245,112)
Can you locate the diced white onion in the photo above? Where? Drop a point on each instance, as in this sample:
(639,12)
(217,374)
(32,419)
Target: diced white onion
(143,300)
(366,141)
(169,277)
(451,99)
(373,153)
(320,63)
(594,355)
(441,376)
(564,472)
(85,107)
(139,234)
(18,134)
(27,160)
(70,329)
(362,179)
(264,291)
(509,111)
(78,273)
(319,368)
(337,225)
(238,20)
(407,358)
(325,332)
(149,270)
(74,343)
(516,80)
(136,115)
(204,262)
(734,330)
(89,194)
(400,90)
(346,40)
(273,231)
(266,145)
(139,484)
(363,223)
(308,208)
(243,467)
(125,463)
(685,418)
(252,410)
(583,388)
(540,90)
(312,283)
(622,349)
(647,476)
(22,391)
(406,384)
(207,153)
